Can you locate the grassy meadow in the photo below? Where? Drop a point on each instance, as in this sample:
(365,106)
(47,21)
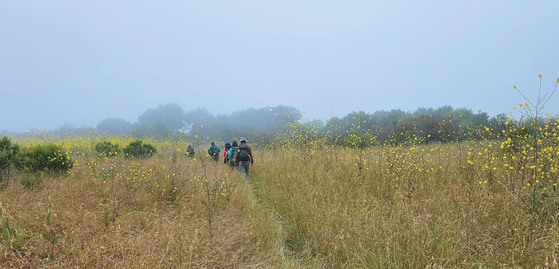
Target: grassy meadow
(469,204)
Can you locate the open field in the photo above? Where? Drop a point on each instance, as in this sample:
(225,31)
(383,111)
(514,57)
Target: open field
(465,205)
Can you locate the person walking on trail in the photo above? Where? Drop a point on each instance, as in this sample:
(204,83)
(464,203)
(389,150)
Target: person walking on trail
(226,152)
(232,154)
(244,158)
(214,151)
(190,150)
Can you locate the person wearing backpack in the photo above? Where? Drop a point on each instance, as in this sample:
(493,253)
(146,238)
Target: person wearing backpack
(214,151)
(226,152)
(244,158)
(190,150)
(232,154)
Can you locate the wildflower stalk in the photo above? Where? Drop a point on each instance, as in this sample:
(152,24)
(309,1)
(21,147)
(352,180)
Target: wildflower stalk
(206,184)
(532,113)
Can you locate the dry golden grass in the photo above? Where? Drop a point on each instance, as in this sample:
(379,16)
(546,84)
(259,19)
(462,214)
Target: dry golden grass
(148,230)
(407,209)
(385,207)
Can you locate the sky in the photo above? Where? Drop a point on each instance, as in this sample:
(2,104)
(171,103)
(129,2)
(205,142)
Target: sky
(80,62)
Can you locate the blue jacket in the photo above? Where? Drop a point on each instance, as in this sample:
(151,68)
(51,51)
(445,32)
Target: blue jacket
(210,150)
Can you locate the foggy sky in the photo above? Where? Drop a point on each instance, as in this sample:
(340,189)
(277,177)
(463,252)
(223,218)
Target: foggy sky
(81,62)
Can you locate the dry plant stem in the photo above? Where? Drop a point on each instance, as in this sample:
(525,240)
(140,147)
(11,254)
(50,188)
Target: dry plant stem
(533,113)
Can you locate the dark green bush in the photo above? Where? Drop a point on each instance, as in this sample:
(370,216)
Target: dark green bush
(44,158)
(8,153)
(107,148)
(137,149)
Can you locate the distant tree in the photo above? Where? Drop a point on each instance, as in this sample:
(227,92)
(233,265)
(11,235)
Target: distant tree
(425,129)
(316,123)
(66,127)
(383,122)
(286,114)
(114,126)
(201,117)
(146,130)
(172,115)
(279,116)
(423,111)
(249,122)
(498,124)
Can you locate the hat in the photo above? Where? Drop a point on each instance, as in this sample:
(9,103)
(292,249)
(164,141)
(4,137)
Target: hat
(243,139)
(227,145)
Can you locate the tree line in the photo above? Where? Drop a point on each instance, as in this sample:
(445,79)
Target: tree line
(422,125)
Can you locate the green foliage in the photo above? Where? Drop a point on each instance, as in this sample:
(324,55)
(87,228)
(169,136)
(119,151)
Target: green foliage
(519,136)
(138,149)
(107,148)
(356,139)
(158,129)
(114,126)
(543,202)
(52,238)
(31,180)
(298,136)
(8,153)
(13,239)
(256,123)
(170,116)
(44,158)
(381,124)
(423,130)
(9,233)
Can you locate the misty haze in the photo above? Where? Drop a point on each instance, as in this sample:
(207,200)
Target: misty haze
(294,134)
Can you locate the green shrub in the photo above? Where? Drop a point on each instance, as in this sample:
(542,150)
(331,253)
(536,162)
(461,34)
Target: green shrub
(107,148)
(360,140)
(8,153)
(44,158)
(31,180)
(137,149)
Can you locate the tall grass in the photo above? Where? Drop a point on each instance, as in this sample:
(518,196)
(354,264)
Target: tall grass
(411,207)
(123,213)
(307,205)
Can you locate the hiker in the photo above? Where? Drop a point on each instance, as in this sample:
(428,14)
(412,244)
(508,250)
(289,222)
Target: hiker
(244,158)
(226,152)
(190,150)
(231,156)
(214,151)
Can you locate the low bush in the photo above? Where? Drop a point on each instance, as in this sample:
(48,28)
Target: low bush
(107,148)
(44,158)
(138,149)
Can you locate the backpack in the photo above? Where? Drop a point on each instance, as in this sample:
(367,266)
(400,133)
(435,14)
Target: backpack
(232,153)
(244,155)
(214,151)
